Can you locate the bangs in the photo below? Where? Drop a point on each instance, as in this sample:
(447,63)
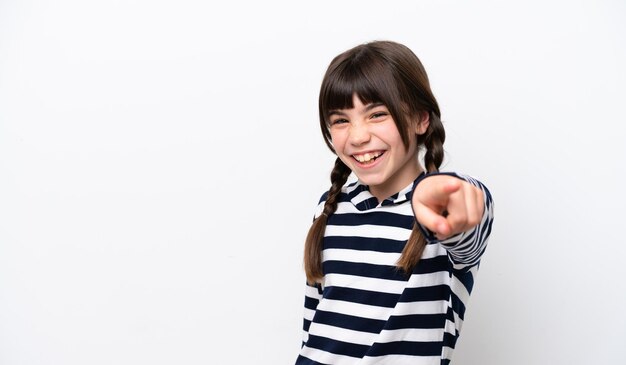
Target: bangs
(340,90)
(363,77)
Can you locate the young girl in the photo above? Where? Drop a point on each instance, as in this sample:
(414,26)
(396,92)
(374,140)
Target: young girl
(390,259)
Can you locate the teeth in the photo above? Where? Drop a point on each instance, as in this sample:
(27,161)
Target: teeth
(367,157)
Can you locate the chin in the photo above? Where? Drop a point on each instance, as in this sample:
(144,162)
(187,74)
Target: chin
(370,181)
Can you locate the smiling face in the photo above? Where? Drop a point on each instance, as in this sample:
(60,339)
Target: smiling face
(367,140)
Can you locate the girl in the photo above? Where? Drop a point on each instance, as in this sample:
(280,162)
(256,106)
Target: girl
(390,259)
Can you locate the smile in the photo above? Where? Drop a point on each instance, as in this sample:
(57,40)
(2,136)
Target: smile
(368,157)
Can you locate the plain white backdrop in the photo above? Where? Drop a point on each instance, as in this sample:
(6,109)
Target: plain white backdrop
(160,162)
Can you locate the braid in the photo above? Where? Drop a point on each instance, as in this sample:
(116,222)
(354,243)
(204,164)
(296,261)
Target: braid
(315,238)
(434,138)
(433,157)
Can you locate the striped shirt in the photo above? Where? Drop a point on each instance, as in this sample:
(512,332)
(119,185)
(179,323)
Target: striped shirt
(367,311)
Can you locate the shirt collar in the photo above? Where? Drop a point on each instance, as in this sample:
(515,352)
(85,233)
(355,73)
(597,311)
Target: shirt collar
(360,196)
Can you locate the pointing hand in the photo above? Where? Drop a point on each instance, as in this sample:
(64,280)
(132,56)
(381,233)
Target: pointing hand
(447,205)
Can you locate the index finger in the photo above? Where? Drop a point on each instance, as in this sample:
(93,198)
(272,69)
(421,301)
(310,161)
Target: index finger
(438,188)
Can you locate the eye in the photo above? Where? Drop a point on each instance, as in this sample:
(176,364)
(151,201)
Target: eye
(338,121)
(379,115)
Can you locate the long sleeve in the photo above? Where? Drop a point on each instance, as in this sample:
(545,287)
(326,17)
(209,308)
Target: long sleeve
(312,296)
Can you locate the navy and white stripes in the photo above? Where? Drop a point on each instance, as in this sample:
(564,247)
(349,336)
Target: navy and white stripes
(367,311)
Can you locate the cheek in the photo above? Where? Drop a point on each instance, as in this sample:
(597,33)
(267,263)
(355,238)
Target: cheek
(388,132)
(338,140)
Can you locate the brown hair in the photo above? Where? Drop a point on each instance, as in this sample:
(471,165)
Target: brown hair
(377,72)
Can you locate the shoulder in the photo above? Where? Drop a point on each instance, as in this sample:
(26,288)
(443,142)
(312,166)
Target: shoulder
(323,198)
(347,190)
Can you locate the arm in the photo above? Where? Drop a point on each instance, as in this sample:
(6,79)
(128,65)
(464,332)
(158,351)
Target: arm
(456,211)
(312,296)
(313,292)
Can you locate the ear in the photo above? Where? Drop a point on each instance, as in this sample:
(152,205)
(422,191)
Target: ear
(422,125)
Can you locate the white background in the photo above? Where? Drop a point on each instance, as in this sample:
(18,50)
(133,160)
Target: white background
(160,162)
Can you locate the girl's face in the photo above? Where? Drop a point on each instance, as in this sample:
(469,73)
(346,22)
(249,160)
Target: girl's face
(367,140)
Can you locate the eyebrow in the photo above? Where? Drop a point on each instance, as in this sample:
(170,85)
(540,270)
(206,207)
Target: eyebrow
(368,107)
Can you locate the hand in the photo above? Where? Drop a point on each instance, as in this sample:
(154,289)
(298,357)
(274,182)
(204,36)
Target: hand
(447,205)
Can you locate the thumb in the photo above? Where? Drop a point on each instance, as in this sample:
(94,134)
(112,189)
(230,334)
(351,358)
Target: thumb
(432,220)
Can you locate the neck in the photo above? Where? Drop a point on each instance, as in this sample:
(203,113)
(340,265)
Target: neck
(384,191)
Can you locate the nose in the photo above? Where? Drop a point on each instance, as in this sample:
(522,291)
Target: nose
(359,134)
